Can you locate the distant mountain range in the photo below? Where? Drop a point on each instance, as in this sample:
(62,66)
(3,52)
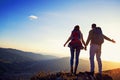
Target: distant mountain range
(63,64)
(15,56)
(14,61)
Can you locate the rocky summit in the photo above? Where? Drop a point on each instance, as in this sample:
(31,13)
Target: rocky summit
(107,75)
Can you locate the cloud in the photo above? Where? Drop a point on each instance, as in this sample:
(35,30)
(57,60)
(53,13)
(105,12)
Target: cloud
(33,17)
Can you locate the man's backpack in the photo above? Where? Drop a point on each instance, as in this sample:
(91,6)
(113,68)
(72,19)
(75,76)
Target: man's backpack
(98,36)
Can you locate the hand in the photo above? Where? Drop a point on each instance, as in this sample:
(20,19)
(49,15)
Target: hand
(113,41)
(85,48)
(64,45)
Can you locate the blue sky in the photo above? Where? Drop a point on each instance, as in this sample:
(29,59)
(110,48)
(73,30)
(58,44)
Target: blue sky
(44,25)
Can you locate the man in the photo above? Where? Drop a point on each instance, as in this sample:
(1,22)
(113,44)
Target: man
(95,48)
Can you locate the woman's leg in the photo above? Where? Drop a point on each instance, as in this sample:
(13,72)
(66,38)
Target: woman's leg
(77,56)
(77,59)
(72,59)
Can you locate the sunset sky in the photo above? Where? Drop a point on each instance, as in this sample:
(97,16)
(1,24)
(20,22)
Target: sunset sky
(43,26)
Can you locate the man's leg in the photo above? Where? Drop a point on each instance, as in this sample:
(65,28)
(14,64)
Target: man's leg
(92,54)
(98,57)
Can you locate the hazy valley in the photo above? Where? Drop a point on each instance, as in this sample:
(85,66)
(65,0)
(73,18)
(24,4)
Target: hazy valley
(22,64)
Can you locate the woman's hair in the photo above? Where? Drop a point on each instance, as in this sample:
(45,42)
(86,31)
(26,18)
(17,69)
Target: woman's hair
(77,28)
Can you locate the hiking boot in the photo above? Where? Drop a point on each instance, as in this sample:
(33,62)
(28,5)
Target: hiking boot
(75,69)
(99,76)
(71,71)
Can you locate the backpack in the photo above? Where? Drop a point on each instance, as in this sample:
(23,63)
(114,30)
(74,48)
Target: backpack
(75,40)
(97,36)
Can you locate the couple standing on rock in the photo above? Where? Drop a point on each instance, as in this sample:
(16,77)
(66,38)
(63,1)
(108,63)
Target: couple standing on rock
(76,42)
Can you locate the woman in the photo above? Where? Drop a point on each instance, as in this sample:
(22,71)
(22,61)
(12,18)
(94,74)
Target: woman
(75,45)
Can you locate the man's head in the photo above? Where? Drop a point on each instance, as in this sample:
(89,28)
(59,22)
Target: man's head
(93,26)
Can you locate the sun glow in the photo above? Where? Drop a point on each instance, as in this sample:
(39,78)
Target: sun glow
(49,26)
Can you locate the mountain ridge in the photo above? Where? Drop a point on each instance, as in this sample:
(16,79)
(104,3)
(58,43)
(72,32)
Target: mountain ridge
(12,64)
(13,55)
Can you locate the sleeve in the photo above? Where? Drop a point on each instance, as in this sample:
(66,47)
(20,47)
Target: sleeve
(107,38)
(89,37)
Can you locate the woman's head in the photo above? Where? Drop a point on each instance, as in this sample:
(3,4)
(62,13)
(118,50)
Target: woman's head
(76,27)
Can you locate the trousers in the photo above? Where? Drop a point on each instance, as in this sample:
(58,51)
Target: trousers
(95,50)
(74,51)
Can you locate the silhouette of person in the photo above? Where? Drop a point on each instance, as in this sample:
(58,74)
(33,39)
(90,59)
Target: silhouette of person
(75,44)
(95,49)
